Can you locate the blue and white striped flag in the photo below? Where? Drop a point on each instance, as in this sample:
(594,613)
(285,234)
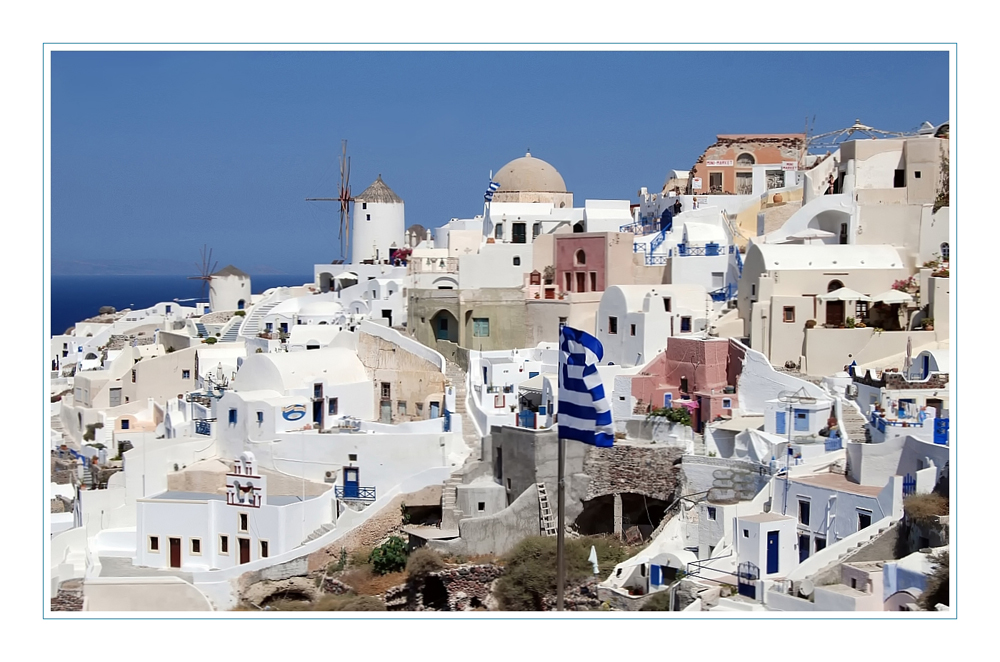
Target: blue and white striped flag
(584,411)
(490,190)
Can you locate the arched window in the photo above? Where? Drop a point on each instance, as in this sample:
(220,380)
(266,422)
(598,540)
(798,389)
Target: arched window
(517,261)
(945,251)
(745,160)
(580,258)
(834,285)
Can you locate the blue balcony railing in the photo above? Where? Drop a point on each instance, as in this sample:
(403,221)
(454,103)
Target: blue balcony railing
(203,427)
(354,493)
(724,293)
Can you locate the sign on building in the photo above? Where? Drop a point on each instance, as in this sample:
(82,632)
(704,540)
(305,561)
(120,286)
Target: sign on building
(790,165)
(720,164)
(696,183)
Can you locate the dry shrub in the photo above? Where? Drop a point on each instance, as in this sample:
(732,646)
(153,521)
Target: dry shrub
(938,584)
(923,507)
(359,557)
(365,582)
(422,562)
(348,603)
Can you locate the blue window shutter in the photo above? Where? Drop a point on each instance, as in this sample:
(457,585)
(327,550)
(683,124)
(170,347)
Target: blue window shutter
(779,422)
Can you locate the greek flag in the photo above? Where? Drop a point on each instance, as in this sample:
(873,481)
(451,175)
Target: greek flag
(490,190)
(584,411)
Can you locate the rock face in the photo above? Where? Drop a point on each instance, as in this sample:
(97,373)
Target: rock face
(582,597)
(106,310)
(67,601)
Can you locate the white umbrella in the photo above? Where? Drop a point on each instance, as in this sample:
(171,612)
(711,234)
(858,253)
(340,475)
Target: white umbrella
(345,279)
(909,354)
(894,296)
(593,558)
(843,294)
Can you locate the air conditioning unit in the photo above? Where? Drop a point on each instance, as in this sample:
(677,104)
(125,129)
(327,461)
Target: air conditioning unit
(330,477)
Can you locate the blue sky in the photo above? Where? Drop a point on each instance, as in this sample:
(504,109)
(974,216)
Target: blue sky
(157,153)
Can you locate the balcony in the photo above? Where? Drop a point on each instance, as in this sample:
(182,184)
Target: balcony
(354,493)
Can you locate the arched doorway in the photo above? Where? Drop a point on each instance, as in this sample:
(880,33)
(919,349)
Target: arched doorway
(241,304)
(579,227)
(444,326)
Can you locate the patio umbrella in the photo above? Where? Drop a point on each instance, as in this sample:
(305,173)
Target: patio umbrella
(893,296)
(909,354)
(843,294)
(345,279)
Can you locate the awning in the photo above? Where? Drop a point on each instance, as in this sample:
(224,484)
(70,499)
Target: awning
(535,384)
(739,424)
(894,296)
(843,294)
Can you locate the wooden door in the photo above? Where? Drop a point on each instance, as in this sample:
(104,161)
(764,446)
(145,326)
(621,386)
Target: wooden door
(244,550)
(835,313)
(175,552)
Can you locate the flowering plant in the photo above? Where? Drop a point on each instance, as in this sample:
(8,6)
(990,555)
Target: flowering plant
(908,285)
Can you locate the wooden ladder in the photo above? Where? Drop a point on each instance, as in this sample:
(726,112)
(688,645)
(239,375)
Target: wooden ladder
(546,517)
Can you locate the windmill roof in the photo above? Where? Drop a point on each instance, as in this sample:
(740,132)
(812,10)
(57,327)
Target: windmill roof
(379,191)
(230,270)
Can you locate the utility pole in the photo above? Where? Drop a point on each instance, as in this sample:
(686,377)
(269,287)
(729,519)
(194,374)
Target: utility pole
(561,529)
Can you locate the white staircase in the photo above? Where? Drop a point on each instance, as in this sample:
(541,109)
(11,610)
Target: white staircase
(547,519)
(232,334)
(252,326)
(326,528)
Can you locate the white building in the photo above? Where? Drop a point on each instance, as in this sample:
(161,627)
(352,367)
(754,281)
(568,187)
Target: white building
(634,322)
(379,224)
(229,289)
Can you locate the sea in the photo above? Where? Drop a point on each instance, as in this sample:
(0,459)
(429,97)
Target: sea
(75,298)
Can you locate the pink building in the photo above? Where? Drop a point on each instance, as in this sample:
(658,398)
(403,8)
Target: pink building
(700,374)
(592,261)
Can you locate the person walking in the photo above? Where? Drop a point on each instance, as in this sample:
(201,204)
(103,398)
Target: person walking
(677,206)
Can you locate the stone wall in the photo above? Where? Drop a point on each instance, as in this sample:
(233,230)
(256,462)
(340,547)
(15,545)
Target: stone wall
(467,588)
(367,535)
(647,470)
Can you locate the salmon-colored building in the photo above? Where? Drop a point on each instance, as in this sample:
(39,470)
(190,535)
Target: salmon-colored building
(700,374)
(592,261)
(727,166)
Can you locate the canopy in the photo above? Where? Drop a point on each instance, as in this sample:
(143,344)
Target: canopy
(894,296)
(843,294)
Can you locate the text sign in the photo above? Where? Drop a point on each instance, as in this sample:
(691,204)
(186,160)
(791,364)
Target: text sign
(719,164)
(696,183)
(790,165)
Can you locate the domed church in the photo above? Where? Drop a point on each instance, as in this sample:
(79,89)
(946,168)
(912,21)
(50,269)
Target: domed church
(528,179)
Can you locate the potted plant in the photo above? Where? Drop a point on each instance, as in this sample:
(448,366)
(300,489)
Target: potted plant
(851,323)
(928,324)
(810,324)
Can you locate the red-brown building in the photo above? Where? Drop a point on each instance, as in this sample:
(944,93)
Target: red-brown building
(700,374)
(592,261)
(727,166)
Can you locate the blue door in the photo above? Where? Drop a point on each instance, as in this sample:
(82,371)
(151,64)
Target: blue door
(941,426)
(655,575)
(779,422)
(350,482)
(772,552)
(927,366)
(802,420)
(668,400)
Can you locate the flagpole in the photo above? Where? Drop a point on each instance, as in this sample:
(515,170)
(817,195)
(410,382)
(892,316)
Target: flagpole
(561,529)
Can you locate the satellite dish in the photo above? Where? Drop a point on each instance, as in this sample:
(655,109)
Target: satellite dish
(806,588)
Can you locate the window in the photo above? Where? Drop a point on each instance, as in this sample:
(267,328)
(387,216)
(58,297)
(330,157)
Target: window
(715,182)
(196,546)
(481,327)
(368,217)
(804,513)
(334,406)
(666,304)
(519,233)
(612,325)
(401,407)
(536,230)
(711,513)
(260,417)
(517,261)
(352,457)
(945,251)
(916,175)
(631,330)
(746,533)
(223,544)
(420,408)
(753,290)
(727,403)
(185,374)
(593,281)
(580,258)
(562,322)
(861,310)
(364,205)
(864,519)
(568,277)
(154,544)
(498,231)
(745,159)
(133,376)
(232,417)
(819,544)
(125,423)
(386,390)
(482,506)
(684,384)
(685,325)
(789,314)
(244,523)
(263,549)
(581,281)
(317,390)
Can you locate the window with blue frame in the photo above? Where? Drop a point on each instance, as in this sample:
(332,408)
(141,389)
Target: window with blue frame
(481,327)
(260,417)
(727,403)
(685,324)
(232,417)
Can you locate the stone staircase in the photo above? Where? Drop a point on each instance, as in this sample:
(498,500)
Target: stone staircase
(700,448)
(855,425)
(450,513)
(326,528)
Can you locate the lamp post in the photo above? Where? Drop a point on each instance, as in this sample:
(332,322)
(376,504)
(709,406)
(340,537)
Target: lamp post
(789,398)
